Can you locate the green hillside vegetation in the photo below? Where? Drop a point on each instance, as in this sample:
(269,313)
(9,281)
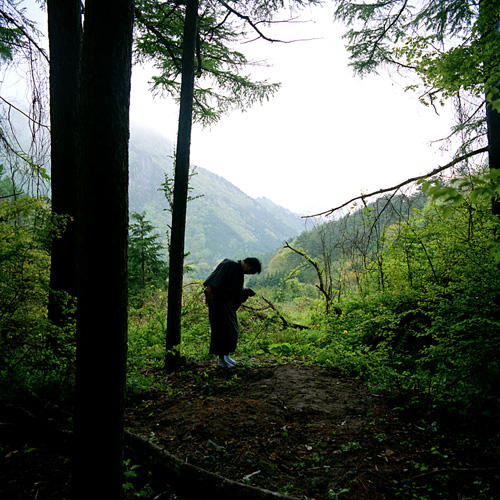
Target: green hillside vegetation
(222,221)
(349,244)
(415,289)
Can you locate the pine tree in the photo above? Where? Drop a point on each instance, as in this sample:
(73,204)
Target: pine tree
(147,267)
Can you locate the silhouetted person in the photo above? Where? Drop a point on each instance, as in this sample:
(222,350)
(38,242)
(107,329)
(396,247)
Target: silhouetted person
(224,293)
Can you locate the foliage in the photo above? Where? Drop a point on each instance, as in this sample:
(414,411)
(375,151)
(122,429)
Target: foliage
(424,320)
(449,331)
(433,330)
(148,327)
(146,265)
(220,86)
(15,29)
(34,353)
(168,189)
(451,45)
(481,186)
(7,186)
(345,247)
(429,333)
(23,135)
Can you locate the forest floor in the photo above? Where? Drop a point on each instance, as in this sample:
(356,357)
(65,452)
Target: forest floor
(293,428)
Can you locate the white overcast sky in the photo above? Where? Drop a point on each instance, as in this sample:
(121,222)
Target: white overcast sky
(325,137)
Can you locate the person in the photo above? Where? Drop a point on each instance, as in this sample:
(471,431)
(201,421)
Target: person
(224,294)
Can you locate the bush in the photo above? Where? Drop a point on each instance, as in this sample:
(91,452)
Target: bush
(33,353)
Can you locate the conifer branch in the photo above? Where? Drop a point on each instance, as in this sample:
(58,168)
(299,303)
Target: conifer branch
(24,32)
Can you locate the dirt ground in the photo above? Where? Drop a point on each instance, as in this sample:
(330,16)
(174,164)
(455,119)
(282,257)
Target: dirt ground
(293,428)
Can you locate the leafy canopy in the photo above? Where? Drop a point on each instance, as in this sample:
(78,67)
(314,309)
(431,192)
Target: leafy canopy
(452,45)
(15,29)
(220,84)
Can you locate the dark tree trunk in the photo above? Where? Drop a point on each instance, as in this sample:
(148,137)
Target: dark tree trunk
(181,181)
(493,122)
(64,25)
(488,26)
(102,234)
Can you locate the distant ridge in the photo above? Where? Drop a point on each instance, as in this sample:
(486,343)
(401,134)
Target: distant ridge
(222,222)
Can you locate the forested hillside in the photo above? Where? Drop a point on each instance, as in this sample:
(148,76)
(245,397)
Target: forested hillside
(353,236)
(222,221)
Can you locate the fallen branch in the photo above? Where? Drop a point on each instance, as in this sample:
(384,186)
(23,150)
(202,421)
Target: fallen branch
(436,171)
(286,324)
(191,481)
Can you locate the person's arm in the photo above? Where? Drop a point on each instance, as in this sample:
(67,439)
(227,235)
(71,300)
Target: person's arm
(209,293)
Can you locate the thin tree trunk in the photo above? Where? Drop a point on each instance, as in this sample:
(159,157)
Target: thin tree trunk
(102,237)
(181,181)
(65,33)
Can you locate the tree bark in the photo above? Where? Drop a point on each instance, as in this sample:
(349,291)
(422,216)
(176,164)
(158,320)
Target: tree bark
(488,25)
(181,181)
(493,123)
(65,33)
(102,237)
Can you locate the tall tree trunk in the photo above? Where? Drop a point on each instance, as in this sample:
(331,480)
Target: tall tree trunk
(488,26)
(181,181)
(65,33)
(493,123)
(102,234)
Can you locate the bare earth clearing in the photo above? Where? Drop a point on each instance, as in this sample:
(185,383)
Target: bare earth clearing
(296,429)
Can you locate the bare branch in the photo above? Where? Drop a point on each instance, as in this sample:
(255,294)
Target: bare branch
(286,324)
(253,25)
(387,29)
(437,170)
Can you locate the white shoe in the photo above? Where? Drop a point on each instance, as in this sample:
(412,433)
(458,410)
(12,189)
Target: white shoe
(222,363)
(230,361)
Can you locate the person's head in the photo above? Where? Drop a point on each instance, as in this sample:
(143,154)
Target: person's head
(253,265)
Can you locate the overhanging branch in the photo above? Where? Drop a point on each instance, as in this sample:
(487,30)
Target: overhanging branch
(437,170)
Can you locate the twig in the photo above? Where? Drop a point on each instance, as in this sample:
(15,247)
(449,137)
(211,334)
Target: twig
(283,320)
(24,114)
(253,25)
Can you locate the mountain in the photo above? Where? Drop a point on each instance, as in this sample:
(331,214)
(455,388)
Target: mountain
(222,221)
